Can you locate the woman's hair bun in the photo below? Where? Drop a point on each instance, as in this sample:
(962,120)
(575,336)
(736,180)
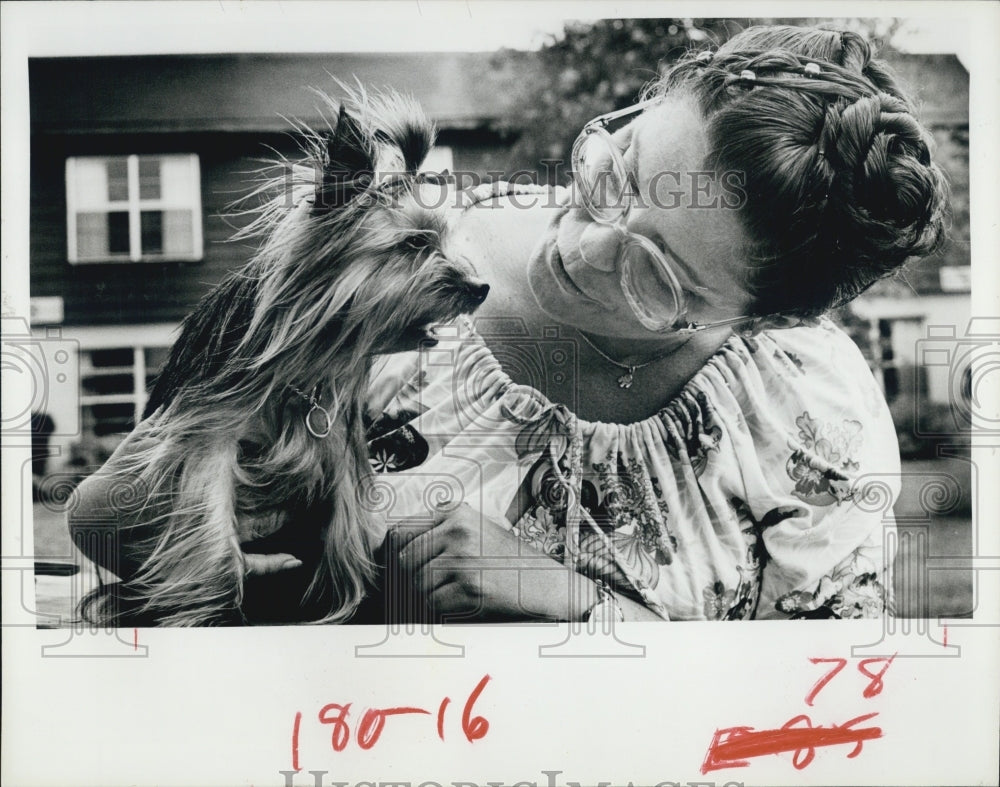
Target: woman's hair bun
(838,173)
(887,196)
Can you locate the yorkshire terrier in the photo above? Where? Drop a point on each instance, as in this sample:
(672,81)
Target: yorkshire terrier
(254,428)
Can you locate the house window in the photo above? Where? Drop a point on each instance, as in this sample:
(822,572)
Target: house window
(133,208)
(898,340)
(113,386)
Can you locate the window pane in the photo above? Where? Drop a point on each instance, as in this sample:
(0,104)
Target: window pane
(177,179)
(118,232)
(91,235)
(117,169)
(90,183)
(118,356)
(152,231)
(156,358)
(149,178)
(112,418)
(107,384)
(178,231)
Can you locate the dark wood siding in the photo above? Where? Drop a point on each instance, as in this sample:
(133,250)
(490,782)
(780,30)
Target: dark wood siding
(123,293)
(128,293)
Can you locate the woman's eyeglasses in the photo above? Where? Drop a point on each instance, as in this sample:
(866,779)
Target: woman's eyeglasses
(608,191)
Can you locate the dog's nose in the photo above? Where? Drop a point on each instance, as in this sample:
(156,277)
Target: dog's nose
(479,290)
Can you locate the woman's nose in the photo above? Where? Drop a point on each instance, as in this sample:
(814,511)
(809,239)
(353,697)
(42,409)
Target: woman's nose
(599,246)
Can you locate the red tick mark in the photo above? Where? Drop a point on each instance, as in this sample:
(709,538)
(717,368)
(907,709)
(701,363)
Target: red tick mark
(135,639)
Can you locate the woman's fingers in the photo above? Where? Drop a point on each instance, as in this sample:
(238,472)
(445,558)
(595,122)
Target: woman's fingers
(262,565)
(402,534)
(420,550)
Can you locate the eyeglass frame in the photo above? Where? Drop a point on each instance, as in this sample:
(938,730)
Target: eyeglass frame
(620,226)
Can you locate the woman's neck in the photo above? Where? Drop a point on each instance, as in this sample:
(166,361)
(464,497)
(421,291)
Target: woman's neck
(499,243)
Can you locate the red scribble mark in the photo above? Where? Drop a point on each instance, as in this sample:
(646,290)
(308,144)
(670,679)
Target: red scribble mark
(875,687)
(818,687)
(475,727)
(731,747)
(135,639)
(945,643)
(295,741)
(444,704)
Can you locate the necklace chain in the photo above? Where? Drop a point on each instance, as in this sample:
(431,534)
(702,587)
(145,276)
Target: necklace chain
(625,381)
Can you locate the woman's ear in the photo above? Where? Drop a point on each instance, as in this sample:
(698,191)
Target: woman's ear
(771,322)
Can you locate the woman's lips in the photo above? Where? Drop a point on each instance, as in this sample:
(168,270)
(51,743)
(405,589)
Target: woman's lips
(555,262)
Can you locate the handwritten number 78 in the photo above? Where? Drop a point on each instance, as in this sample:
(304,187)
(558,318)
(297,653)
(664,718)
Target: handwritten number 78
(874,686)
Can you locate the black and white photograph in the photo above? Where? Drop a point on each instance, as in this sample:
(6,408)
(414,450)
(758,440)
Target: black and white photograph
(500,333)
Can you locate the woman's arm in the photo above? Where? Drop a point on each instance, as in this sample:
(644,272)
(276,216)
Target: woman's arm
(467,565)
(106,514)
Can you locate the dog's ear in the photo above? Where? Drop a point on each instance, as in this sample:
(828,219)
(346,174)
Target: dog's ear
(349,164)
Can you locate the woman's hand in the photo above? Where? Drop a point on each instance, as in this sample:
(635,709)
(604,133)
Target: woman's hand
(467,566)
(264,565)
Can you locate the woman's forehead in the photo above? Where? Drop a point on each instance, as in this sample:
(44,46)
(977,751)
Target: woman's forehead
(672,131)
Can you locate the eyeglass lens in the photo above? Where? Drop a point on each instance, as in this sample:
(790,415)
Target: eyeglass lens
(602,177)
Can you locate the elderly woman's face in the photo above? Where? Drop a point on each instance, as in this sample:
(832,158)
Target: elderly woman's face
(687,211)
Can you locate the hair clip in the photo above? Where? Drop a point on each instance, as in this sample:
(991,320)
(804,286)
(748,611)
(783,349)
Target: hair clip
(811,70)
(705,57)
(748,77)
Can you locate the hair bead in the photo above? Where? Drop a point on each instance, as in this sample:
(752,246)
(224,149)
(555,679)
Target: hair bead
(748,77)
(811,70)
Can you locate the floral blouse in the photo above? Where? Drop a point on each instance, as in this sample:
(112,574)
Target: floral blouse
(762,490)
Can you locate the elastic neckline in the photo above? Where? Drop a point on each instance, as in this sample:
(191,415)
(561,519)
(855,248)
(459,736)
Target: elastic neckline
(695,384)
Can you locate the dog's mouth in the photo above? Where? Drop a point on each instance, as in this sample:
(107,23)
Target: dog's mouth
(425,335)
(424,332)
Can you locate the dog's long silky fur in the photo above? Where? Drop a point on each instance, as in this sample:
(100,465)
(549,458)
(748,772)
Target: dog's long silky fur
(348,266)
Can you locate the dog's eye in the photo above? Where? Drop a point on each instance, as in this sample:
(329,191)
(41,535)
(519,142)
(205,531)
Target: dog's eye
(421,239)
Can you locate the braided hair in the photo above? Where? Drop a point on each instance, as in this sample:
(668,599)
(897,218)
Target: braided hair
(840,186)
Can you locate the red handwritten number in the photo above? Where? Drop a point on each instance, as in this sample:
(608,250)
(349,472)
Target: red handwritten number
(295,740)
(341,733)
(475,727)
(875,687)
(374,720)
(444,704)
(816,689)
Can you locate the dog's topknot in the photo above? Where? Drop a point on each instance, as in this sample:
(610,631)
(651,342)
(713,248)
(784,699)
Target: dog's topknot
(378,137)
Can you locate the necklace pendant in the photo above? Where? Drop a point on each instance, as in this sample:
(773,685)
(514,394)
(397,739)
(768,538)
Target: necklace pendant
(625,381)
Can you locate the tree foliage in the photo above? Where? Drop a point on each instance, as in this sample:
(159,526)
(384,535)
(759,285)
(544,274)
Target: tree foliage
(597,67)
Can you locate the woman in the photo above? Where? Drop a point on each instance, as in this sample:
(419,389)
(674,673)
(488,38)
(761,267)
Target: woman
(701,444)
(681,474)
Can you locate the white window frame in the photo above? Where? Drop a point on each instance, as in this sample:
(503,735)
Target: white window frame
(134,205)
